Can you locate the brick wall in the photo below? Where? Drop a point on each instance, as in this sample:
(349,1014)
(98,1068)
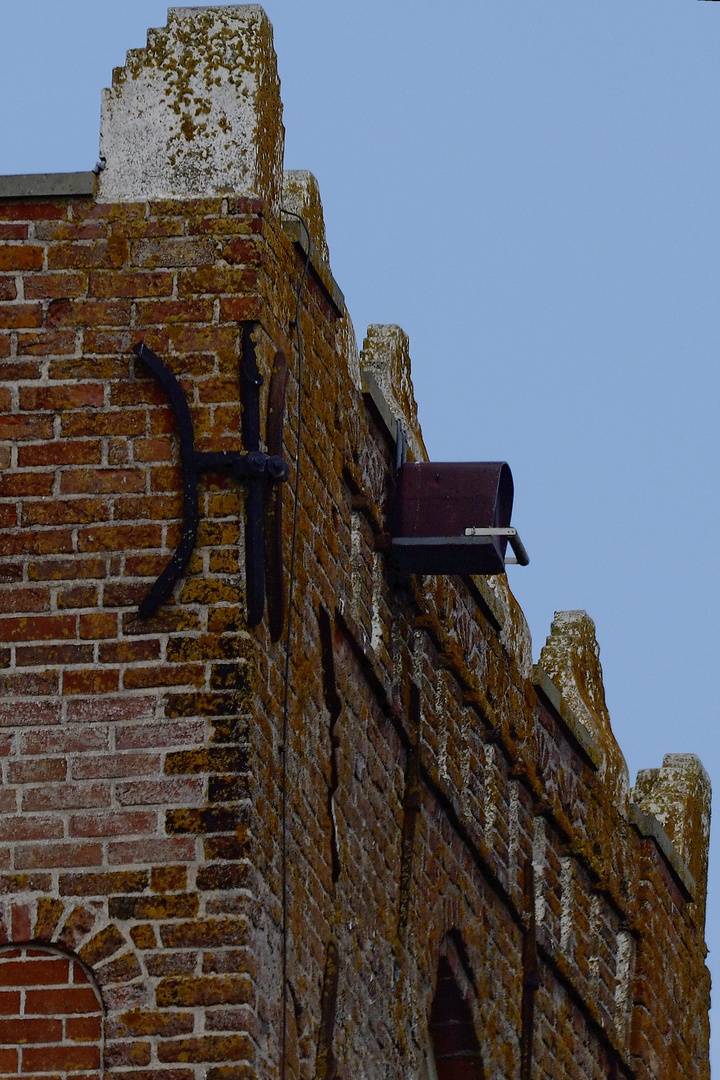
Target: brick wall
(431,862)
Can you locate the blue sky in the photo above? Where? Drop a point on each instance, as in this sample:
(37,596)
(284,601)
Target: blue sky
(532,191)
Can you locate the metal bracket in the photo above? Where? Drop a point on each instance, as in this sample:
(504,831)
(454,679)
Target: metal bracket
(253,468)
(521,556)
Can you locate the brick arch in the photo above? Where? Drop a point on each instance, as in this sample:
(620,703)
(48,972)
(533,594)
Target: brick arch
(77,928)
(51,1013)
(454,1041)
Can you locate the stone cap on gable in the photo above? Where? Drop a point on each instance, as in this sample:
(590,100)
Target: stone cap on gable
(196,112)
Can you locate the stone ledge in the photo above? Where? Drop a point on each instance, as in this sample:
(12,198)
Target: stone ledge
(577,730)
(294,230)
(649,826)
(47,185)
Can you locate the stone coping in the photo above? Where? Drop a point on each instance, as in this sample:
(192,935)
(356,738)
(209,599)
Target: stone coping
(47,185)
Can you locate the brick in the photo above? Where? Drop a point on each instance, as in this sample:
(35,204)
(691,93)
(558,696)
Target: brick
(154,907)
(26,827)
(25,600)
(95,626)
(166,312)
(29,656)
(37,856)
(120,422)
(13,232)
(119,537)
(64,569)
(102,945)
(41,970)
(84,1028)
(165,879)
(136,1023)
(215,280)
(167,733)
(112,286)
(38,628)
(90,255)
(22,1030)
(190,991)
(114,823)
(16,370)
(111,710)
(65,512)
(66,796)
(204,933)
(115,765)
(20,257)
(43,542)
(44,343)
(67,452)
(103,884)
(25,428)
(155,792)
(171,850)
(48,286)
(61,397)
(18,316)
(18,485)
(207,1048)
(40,210)
(40,770)
(29,713)
(65,741)
(91,681)
(79,596)
(64,312)
(71,1057)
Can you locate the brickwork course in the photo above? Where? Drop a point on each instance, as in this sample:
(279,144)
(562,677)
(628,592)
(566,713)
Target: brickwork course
(407,851)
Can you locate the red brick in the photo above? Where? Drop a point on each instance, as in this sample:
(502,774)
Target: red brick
(67,512)
(20,257)
(41,770)
(38,628)
(39,856)
(39,542)
(20,1030)
(9,1002)
(166,312)
(15,599)
(92,255)
(30,828)
(84,1028)
(111,710)
(29,713)
(23,210)
(119,537)
(92,766)
(8,289)
(65,740)
(16,485)
(101,481)
(17,316)
(64,569)
(47,286)
(25,428)
(42,970)
(100,625)
(13,232)
(61,397)
(29,683)
(46,343)
(91,681)
(112,286)
(16,370)
(90,313)
(119,422)
(79,596)
(142,852)
(114,823)
(32,655)
(69,1058)
(67,452)
(66,796)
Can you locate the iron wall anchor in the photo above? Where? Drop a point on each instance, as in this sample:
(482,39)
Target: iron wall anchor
(254,468)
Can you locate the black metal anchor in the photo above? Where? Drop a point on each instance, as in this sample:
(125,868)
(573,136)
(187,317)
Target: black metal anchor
(252,467)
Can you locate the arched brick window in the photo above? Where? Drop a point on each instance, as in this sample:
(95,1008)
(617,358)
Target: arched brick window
(50,1016)
(454,1042)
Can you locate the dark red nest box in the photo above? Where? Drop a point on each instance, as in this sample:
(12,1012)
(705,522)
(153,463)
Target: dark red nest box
(454,518)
